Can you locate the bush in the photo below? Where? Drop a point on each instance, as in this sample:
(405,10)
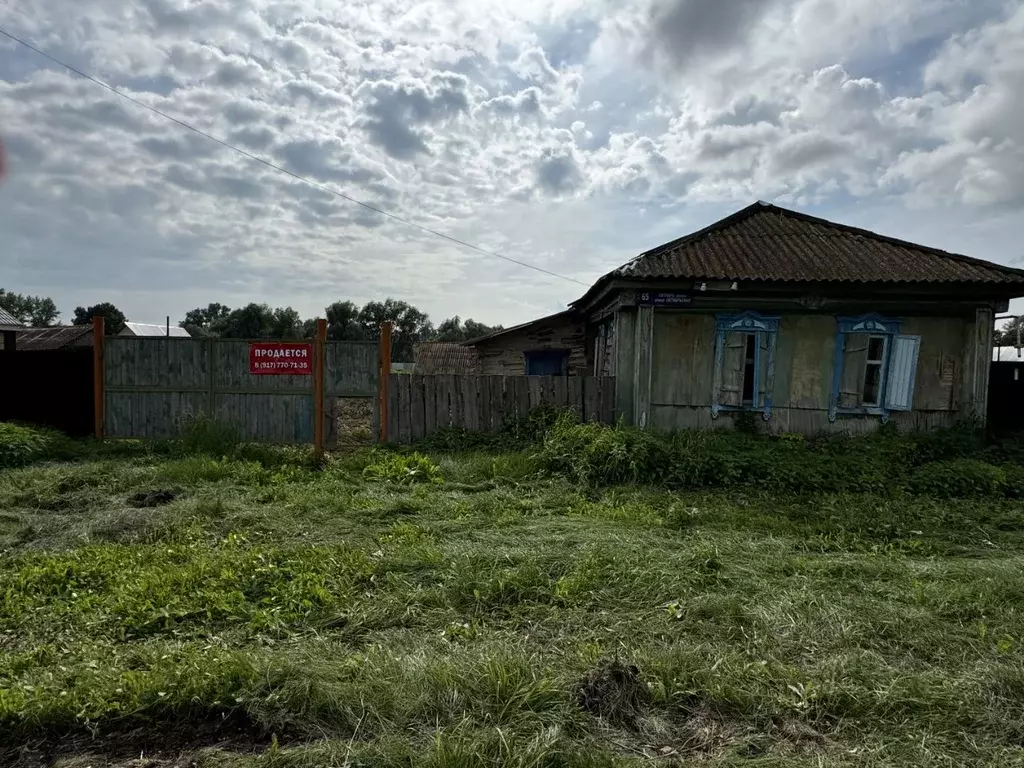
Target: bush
(198,433)
(596,454)
(960,478)
(22,445)
(405,469)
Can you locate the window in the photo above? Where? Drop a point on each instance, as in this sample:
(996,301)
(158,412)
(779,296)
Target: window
(873,366)
(547,362)
(744,363)
(874,369)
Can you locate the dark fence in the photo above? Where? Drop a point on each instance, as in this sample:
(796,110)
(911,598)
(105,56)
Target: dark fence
(51,388)
(417,405)
(1006,398)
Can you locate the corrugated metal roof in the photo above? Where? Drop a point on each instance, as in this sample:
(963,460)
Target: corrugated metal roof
(154,329)
(1007,354)
(58,337)
(765,242)
(9,321)
(446,358)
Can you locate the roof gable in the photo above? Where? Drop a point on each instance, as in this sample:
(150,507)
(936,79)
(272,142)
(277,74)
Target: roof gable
(768,243)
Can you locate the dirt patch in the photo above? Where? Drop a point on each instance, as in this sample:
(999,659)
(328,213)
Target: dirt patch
(150,747)
(613,691)
(150,499)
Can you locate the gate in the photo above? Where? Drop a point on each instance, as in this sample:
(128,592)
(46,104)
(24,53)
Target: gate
(150,384)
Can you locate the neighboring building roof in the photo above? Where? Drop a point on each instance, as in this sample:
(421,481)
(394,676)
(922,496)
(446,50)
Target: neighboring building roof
(57,337)
(441,357)
(516,328)
(1007,354)
(768,243)
(154,329)
(9,322)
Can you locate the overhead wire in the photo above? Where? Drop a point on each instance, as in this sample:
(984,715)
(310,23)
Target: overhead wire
(281,169)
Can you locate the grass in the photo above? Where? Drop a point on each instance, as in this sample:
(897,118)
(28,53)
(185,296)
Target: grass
(468,610)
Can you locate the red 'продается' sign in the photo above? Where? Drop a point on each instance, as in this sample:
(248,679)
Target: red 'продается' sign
(282,359)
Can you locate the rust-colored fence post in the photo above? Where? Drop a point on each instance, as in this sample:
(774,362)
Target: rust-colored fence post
(98,332)
(318,386)
(385,371)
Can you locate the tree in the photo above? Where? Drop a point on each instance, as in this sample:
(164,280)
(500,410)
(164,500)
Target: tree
(37,311)
(409,325)
(454,330)
(201,322)
(343,322)
(1007,335)
(112,316)
(253,321)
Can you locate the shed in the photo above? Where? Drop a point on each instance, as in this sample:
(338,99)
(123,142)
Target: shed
(441,357)
(55,337)
(9,326)
(552,345)
(811,325)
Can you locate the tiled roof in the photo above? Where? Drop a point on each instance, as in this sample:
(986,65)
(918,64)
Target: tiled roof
(58,337)
(765,242)
(446,358)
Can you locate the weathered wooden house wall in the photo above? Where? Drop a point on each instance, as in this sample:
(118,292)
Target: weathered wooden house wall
(505,354)
(677,390)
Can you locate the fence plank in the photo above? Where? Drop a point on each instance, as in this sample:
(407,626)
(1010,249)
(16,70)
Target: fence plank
(393,410)
(559,393)
(497,384)
(429,386)
(574,396)
(417,416)
(534,399)
(469,388)
(483,395)
(607,399)
(443,393)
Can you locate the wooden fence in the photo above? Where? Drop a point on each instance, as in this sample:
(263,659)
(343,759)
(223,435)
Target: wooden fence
(417,405)
(149,385)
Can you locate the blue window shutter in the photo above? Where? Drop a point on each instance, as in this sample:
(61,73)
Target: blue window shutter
(899,388)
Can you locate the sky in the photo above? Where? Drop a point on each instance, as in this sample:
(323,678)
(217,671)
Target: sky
(568,134)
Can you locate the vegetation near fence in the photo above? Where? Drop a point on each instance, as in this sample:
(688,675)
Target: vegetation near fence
(561,594)
(418,405)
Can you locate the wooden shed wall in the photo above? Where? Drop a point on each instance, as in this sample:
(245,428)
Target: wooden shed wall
(504,355)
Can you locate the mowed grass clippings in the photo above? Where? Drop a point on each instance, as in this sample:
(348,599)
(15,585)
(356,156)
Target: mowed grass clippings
(467,610)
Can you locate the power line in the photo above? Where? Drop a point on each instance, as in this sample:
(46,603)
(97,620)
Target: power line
(280,169)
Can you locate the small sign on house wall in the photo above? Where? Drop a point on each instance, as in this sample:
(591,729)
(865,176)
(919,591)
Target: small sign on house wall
(664,299)
(275,358)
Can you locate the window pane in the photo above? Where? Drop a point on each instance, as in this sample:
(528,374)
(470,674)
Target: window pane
(876,349)
(748,369)
(872,383)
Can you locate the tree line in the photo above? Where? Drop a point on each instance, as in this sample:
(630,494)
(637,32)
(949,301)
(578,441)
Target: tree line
(346,321)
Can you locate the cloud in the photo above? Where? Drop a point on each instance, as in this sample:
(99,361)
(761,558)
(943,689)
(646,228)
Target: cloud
(558,172)
(685,31)
(489,121)
(397,111)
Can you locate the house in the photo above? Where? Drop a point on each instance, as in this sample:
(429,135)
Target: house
(9,326)
(810,325)
(154,329)
(553,345)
